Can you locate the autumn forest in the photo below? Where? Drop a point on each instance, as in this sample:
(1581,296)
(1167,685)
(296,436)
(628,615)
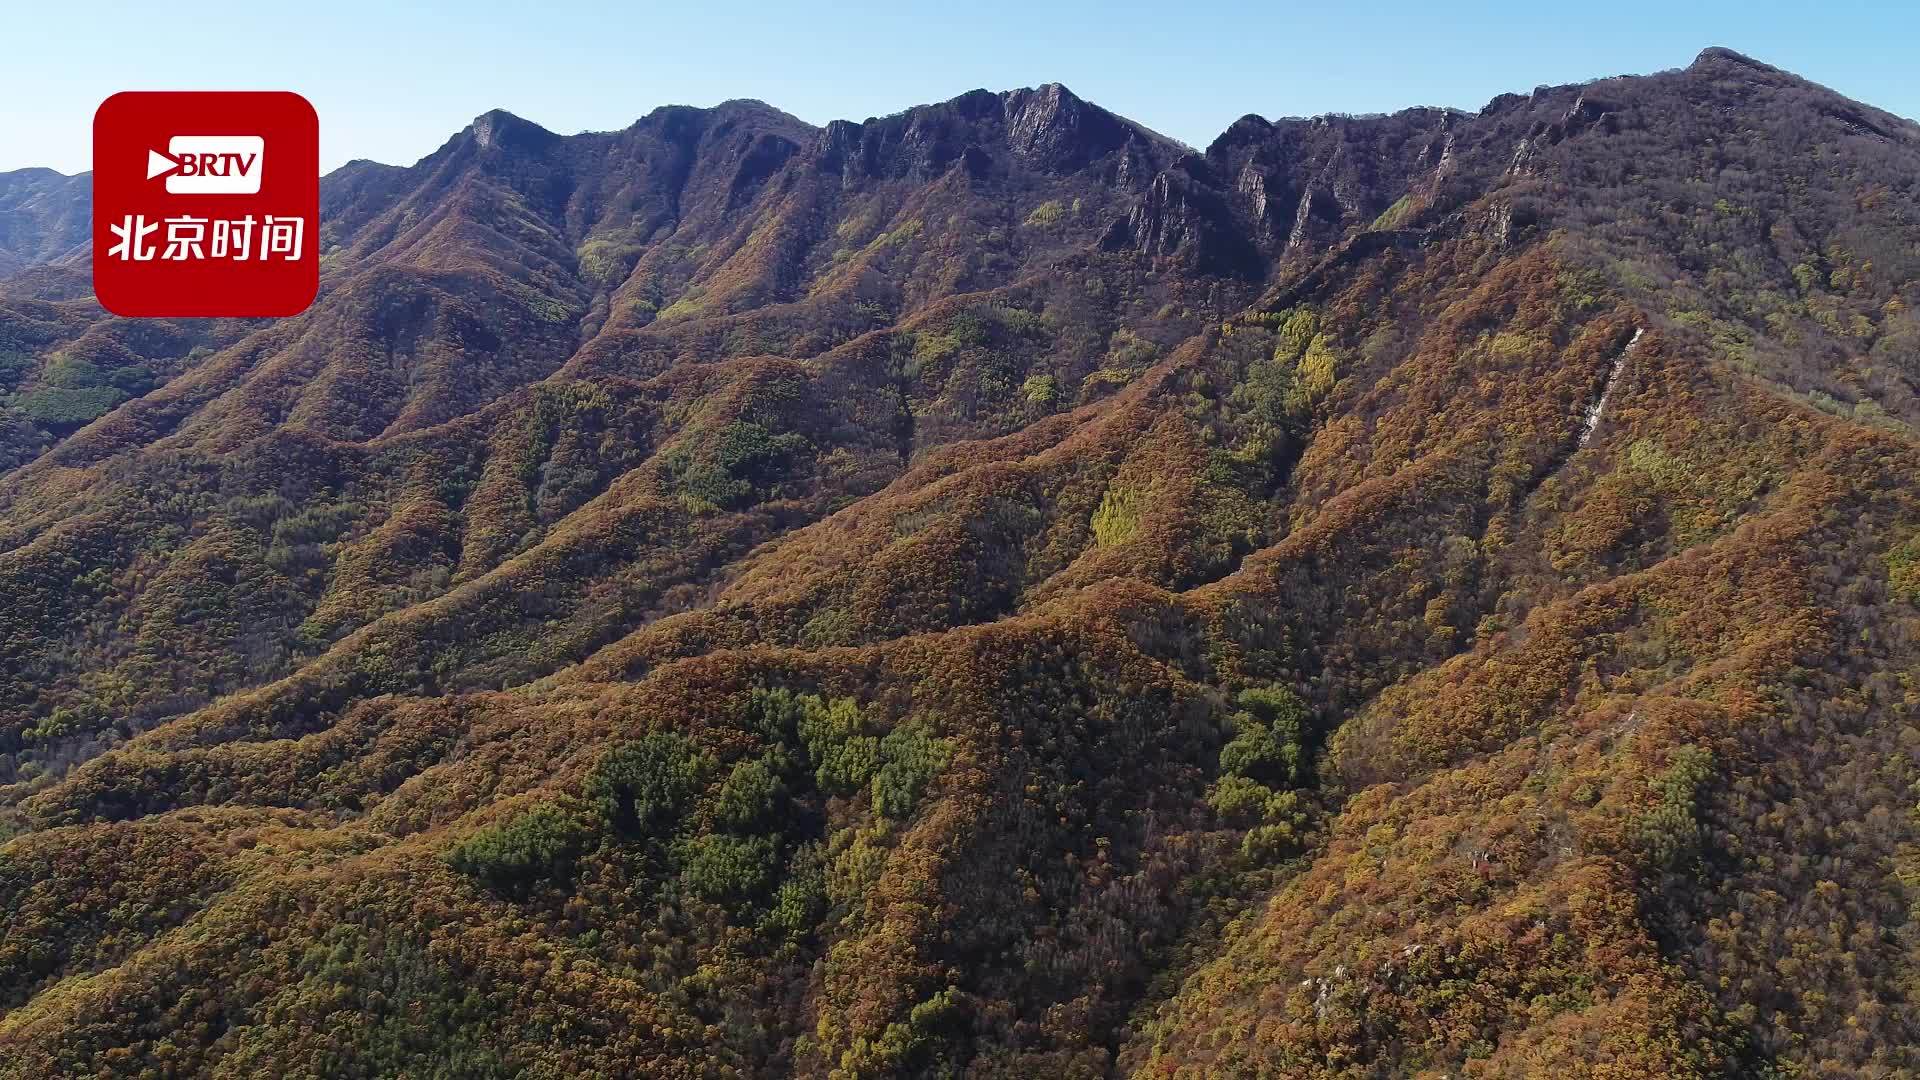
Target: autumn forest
(990,592)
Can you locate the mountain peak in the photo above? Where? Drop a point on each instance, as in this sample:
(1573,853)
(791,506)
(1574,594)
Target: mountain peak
(1719,56)
(757,107)
(1053,92)
(498,127)
(36,172)
(1050,124)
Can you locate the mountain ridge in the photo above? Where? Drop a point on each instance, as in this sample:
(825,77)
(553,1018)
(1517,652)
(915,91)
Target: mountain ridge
(989,591)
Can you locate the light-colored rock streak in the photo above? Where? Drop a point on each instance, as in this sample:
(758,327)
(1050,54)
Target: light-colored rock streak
(1599,407)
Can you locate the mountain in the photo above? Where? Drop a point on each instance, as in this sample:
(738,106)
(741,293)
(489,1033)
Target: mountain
(44,216)
(992,591)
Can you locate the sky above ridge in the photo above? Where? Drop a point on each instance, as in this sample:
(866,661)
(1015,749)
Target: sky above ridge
(392,81)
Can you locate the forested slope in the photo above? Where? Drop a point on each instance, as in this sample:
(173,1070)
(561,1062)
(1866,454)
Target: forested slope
(991,591)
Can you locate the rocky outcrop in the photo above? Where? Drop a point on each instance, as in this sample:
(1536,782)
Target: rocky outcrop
(1185,216)
(1300,188)
(1047,130)
(1587,113)
(500,129)
(1718,59)
(1052,130)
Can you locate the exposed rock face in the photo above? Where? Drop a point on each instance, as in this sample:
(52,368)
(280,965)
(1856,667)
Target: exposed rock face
(500,128)
(1047,129)
(1051,129)
(1252,186)
(1184,216)
(841,148)
(1293,189)
(1316,217)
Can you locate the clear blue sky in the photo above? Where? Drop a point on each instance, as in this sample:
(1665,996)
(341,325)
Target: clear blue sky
(392,80)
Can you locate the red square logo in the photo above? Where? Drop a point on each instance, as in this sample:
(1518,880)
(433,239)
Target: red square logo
(206,204)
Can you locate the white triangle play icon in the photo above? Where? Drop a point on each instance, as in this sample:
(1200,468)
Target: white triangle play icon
(158,163)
